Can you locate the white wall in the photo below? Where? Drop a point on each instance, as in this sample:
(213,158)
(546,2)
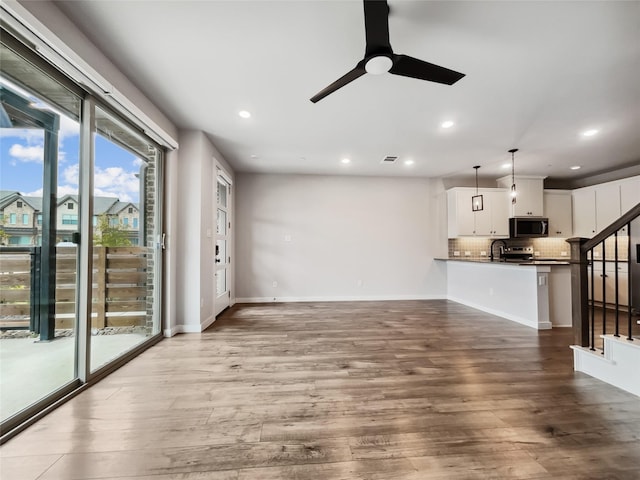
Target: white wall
(318,236)
(195,220)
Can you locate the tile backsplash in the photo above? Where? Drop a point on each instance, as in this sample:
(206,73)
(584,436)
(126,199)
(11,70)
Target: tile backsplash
(558,248)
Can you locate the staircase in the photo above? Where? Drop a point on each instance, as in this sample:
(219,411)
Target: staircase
(605,291)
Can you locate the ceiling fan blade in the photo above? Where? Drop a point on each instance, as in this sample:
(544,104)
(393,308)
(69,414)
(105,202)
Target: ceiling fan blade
(376,26)
(412,67)
(341,82)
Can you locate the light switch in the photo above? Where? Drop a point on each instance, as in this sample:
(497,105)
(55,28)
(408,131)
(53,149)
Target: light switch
(287,238)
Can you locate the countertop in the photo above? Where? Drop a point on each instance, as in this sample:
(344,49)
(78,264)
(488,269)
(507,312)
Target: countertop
(498,262)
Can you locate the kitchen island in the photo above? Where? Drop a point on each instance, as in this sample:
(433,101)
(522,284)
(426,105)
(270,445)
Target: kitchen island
(533,293)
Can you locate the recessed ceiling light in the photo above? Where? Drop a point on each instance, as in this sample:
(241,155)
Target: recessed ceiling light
(447,124)
(575,167)
(409,162)
(345,160)
(244,114)
(589,133)
(506,165)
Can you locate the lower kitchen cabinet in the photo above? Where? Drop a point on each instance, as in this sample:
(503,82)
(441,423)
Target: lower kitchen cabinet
(607,277)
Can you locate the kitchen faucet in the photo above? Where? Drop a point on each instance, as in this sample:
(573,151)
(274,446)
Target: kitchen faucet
(502,247)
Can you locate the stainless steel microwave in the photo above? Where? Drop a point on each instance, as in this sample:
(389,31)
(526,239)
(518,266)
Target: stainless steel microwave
(528,227)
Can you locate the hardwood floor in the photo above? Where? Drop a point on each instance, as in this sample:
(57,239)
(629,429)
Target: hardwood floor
(367,390)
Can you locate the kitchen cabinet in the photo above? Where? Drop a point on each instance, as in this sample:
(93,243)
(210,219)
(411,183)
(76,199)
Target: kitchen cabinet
(492,221)
(629,194)
(557,208)
(607,204)
(608,278)
(584,212)
(529,199)
(597,207)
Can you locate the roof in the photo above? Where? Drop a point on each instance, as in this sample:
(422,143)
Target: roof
(101,205)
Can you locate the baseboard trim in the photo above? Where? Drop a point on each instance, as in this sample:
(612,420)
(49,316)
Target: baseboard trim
(170,332)
(207,323)
(363,298)
(499,313)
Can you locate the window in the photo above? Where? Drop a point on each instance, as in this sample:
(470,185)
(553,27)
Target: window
(135,222)
(13,218)
(18,204)
(69,219)
(130,209)
(95,220)
(125,222)
(19,240)
(25,219)
(69,206)
(39,219)
(113,222)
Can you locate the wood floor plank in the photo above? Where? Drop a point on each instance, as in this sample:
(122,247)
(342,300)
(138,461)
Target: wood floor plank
(343,390)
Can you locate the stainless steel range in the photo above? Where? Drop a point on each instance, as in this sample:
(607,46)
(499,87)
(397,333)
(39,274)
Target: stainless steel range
(517,254)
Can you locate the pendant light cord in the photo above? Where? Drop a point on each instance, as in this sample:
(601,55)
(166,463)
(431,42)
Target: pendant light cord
(513,175)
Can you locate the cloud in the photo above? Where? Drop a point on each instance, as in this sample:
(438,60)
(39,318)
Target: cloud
(24,153)
(62,191)
(107,182)
(71,174)
(138,162)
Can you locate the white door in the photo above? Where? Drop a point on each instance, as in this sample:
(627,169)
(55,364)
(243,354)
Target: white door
(223,242)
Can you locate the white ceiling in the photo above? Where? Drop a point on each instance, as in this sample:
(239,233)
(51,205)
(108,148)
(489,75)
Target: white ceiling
(537,75)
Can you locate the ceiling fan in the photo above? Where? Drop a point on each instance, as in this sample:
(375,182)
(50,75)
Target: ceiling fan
(379,57)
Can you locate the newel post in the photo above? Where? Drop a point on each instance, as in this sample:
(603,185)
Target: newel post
(579,292)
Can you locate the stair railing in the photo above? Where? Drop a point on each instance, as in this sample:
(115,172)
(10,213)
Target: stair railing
(585,255)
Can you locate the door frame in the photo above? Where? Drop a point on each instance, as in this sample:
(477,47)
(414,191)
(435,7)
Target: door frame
(220,303)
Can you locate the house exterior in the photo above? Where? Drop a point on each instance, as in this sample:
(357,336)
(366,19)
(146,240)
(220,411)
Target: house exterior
(21,217)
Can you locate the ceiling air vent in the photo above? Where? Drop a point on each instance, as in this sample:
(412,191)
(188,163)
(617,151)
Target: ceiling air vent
(389,159)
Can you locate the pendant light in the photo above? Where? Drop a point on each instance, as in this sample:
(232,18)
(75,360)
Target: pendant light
(477,200)
(513,176)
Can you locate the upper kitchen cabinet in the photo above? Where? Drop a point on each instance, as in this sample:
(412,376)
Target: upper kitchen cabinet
(629,194)
(584,212)
(491,221)
(607,204)
(597,207)
(557,208)
(529,198)
(460,217)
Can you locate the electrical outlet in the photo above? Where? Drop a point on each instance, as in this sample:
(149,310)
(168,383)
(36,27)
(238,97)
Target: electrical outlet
(456,253)
(563,254)
(483,253)
(287,238)
(467,253)
(536,254)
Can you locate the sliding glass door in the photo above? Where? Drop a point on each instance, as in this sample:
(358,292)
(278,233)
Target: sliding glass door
(38,274)
(125,247)
(80,229)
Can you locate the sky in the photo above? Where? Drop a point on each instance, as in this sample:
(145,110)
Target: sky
(21,163)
